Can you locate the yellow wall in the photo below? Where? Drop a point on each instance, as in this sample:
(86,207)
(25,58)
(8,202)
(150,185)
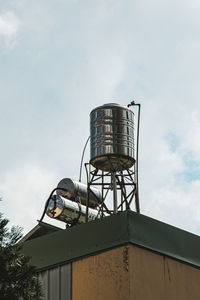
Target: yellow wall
(154,276)
(133,273)
(102,276)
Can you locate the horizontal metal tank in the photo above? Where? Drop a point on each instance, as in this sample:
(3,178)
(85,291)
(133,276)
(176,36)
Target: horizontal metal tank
(67,211)
(112,137)
(77,191)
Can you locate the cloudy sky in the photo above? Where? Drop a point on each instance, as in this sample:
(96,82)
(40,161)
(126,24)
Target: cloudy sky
(59,59)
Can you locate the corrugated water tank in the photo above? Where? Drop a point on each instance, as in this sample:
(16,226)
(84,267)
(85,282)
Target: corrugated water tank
(112,137)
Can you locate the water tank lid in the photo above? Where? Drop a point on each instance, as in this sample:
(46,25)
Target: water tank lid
(111,104)
(107,105)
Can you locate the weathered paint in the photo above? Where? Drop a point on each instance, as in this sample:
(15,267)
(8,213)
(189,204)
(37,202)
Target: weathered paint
(102,276)
(56,283)
(155,277)
(133,273)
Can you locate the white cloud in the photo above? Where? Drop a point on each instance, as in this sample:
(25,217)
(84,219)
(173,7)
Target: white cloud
(9,28)
(75,56)
(179,204)
(24,190)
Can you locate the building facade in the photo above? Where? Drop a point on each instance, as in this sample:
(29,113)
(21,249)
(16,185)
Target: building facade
(123,256)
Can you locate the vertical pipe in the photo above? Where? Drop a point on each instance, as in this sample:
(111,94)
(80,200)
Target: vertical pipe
(88,190)
(137,202)
(114,192)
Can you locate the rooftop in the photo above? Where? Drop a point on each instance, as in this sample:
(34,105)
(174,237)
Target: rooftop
(123,228)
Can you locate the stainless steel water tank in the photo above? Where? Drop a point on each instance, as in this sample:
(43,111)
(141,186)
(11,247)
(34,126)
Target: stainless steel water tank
(67,211)
(112,137)
(77,191)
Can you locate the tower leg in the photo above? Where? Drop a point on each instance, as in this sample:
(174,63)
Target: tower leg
(114,192)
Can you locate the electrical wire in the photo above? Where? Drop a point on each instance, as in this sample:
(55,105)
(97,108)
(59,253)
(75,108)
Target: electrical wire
(81,165)
(48,200)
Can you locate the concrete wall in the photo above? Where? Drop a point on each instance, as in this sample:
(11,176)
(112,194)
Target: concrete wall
(154,276)
(103,276)
(123,273)
(133,273)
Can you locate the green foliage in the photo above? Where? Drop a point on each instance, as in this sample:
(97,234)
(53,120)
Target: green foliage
(17,277)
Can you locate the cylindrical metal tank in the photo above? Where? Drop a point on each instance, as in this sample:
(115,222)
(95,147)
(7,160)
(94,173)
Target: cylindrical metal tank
(67,211)
(77,191)
(112,137)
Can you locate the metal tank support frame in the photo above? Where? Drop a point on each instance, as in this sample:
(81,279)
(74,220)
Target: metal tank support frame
(121,183)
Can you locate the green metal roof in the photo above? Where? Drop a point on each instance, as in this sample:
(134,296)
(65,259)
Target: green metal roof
(109,232)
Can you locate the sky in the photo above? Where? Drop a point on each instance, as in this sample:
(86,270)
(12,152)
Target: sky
(59,59)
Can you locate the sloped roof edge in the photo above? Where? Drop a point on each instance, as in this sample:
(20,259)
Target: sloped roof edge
(109,232)
(39,230)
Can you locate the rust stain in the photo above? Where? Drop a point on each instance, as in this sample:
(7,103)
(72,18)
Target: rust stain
(165,264)
(168,270)
(125,258)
